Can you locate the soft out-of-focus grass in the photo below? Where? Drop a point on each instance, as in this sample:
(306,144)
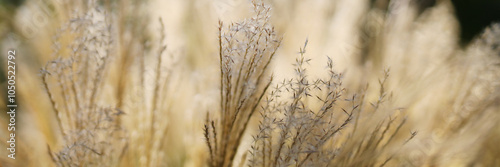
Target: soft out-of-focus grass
(447,93)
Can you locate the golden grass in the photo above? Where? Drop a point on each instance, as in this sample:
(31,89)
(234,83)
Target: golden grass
(242,93)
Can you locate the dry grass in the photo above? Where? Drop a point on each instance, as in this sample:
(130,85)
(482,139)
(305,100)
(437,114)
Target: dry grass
(91,133)
(110,92)
(292,132)
(245,51)
(310,127)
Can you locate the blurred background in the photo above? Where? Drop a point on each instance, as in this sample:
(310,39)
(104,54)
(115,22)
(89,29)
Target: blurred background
(443,56)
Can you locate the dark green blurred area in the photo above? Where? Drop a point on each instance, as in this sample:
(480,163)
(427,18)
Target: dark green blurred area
(6,16)
(475,15)
(11,3)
